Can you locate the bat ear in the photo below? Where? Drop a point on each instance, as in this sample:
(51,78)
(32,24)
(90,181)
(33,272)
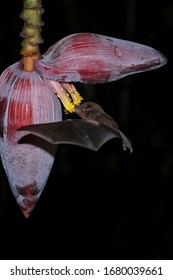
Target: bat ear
(93,58)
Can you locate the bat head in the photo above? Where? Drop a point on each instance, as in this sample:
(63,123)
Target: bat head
(86,109)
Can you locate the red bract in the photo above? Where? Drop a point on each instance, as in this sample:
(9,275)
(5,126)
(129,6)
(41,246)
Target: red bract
(27,97)
(93,58)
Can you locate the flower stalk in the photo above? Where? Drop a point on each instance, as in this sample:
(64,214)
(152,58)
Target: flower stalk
(31,14)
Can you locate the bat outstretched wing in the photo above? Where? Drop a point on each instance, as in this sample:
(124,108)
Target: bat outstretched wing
(85,133)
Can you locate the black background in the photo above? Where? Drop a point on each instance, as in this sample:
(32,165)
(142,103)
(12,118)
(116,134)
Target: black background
(108,204)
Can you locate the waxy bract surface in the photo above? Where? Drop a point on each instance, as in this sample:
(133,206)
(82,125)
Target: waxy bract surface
(26,98)
(94,58)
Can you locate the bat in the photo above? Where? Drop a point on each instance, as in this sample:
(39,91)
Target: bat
(92,131)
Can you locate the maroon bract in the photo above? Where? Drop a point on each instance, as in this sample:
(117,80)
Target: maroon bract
(94,58)
(26,98)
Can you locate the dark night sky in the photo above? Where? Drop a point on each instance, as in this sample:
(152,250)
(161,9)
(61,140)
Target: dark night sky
(109,204)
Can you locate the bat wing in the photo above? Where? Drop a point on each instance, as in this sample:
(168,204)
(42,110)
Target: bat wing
(84,133)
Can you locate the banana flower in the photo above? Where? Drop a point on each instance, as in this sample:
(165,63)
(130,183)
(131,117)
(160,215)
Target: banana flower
(29,89)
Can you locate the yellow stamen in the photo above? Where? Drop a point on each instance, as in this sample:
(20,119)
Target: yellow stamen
(70,88)
(64,95)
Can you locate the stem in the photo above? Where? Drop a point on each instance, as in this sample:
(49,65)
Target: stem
(31,14)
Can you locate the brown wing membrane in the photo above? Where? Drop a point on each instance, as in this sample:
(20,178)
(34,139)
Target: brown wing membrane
(85,133)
